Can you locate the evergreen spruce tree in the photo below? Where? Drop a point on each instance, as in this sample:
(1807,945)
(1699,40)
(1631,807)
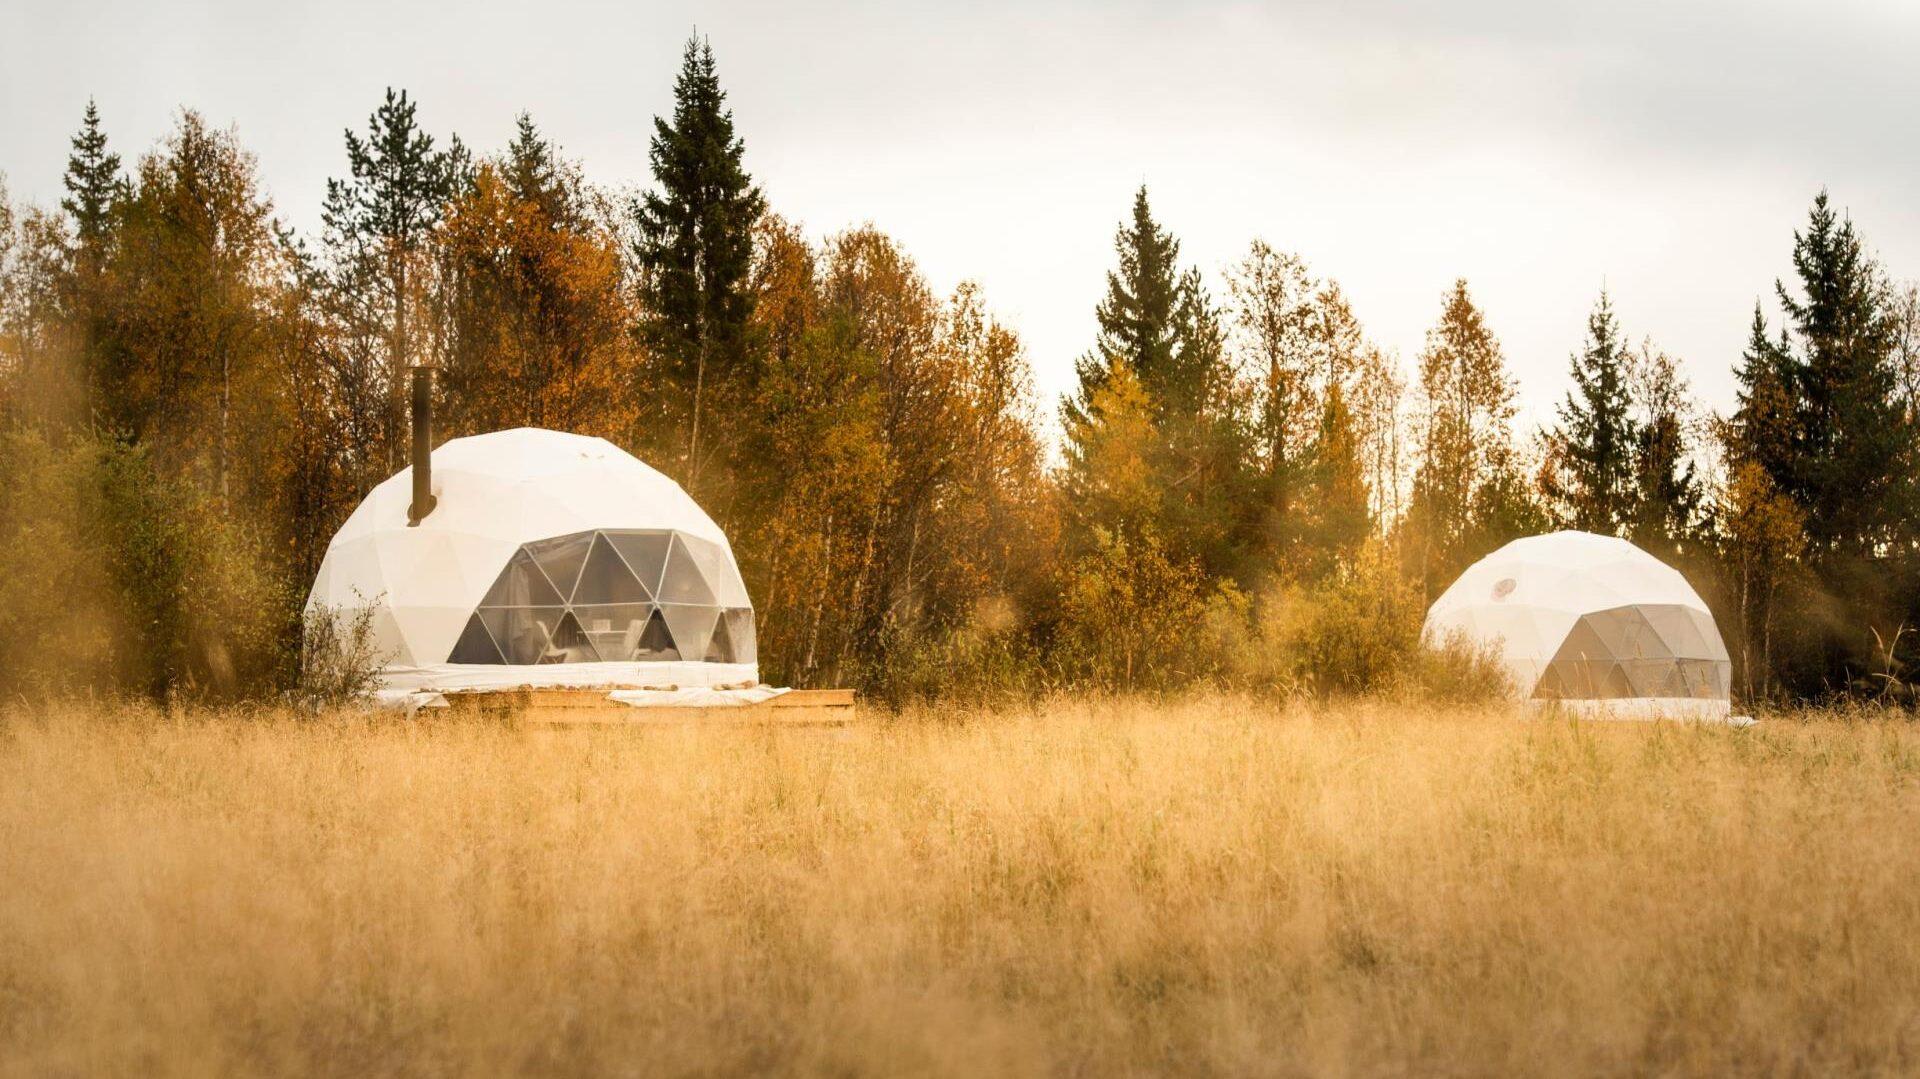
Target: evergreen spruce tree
(1764,428)
(1189,381)
(534,174)
(1854,452)
(1283,333)
(93,184)
(1158,325)
(695,248)
(97,194)
(1139,317)
(1821,445)
(1595,439)
(380,219)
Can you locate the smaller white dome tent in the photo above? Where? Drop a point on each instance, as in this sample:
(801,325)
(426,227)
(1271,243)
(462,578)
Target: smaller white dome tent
(547,559)
(1592,623)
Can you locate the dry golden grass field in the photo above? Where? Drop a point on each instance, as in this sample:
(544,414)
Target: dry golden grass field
(1217,886)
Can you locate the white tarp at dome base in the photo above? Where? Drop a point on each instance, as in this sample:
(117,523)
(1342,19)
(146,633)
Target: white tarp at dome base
(549,559)
(1593,624)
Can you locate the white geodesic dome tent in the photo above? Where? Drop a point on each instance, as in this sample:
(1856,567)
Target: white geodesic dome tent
(1591,623)
(548,559)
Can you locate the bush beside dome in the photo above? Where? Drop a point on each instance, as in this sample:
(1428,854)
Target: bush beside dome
(548,559)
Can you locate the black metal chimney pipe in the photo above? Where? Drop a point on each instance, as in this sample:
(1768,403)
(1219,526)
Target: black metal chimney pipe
(423,500)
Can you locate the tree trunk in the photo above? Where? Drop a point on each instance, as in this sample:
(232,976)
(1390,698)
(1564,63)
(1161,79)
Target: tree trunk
(699,370)
(226,410)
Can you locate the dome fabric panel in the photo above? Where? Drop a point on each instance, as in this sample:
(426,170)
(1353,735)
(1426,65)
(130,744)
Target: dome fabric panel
(1590,621)
(496,493)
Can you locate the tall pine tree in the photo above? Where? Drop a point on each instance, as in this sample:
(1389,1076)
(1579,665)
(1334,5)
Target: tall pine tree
(1159,333)
(1854,453)
(97,195)
(533,313)
(1595,439)
(93,184)
(1764,428)
(1137,315)
(1283,331)
(378,220)
(534,174)
(695,250)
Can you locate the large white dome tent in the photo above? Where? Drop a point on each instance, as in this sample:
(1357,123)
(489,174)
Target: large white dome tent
(540,559)
(1592,624)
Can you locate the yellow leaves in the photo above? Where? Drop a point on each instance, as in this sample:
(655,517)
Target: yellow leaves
(1760,519)
(537,316)
(1110,452)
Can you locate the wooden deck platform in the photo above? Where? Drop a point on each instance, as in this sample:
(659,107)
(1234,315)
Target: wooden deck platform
(592,707)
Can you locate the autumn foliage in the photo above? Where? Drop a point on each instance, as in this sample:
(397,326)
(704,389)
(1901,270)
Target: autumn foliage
(1242,488)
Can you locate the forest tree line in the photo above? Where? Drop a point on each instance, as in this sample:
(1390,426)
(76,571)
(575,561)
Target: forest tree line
(193,396)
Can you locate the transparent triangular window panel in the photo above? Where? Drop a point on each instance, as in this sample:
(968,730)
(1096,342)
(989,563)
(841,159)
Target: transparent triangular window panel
(475,644)
(718,570)
(656,641)
(1710,633)
(645,554)
(1615,684)
(1613,630)
(570,642)
(684,581)
(605,578)
(1575,679)
(562,558)
(526,635)
(739,623)
(1679,631)
(619,596)
(692,627)
(522,584)
(720,645)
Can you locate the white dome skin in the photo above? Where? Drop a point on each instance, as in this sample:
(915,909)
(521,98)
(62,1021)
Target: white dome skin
(1527,597)
(494,493)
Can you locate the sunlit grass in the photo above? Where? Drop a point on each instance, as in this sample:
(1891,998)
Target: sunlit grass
(1212,886)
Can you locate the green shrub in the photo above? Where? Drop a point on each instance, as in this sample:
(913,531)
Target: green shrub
(1134,617)
(1355,631)
(115,580)
(339,661)
(993,654)
(1460,670)
(62,628)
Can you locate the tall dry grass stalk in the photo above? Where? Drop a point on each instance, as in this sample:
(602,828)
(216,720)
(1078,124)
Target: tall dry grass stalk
(1217,886)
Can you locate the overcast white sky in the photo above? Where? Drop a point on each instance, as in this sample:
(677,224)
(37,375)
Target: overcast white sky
(1665,149)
